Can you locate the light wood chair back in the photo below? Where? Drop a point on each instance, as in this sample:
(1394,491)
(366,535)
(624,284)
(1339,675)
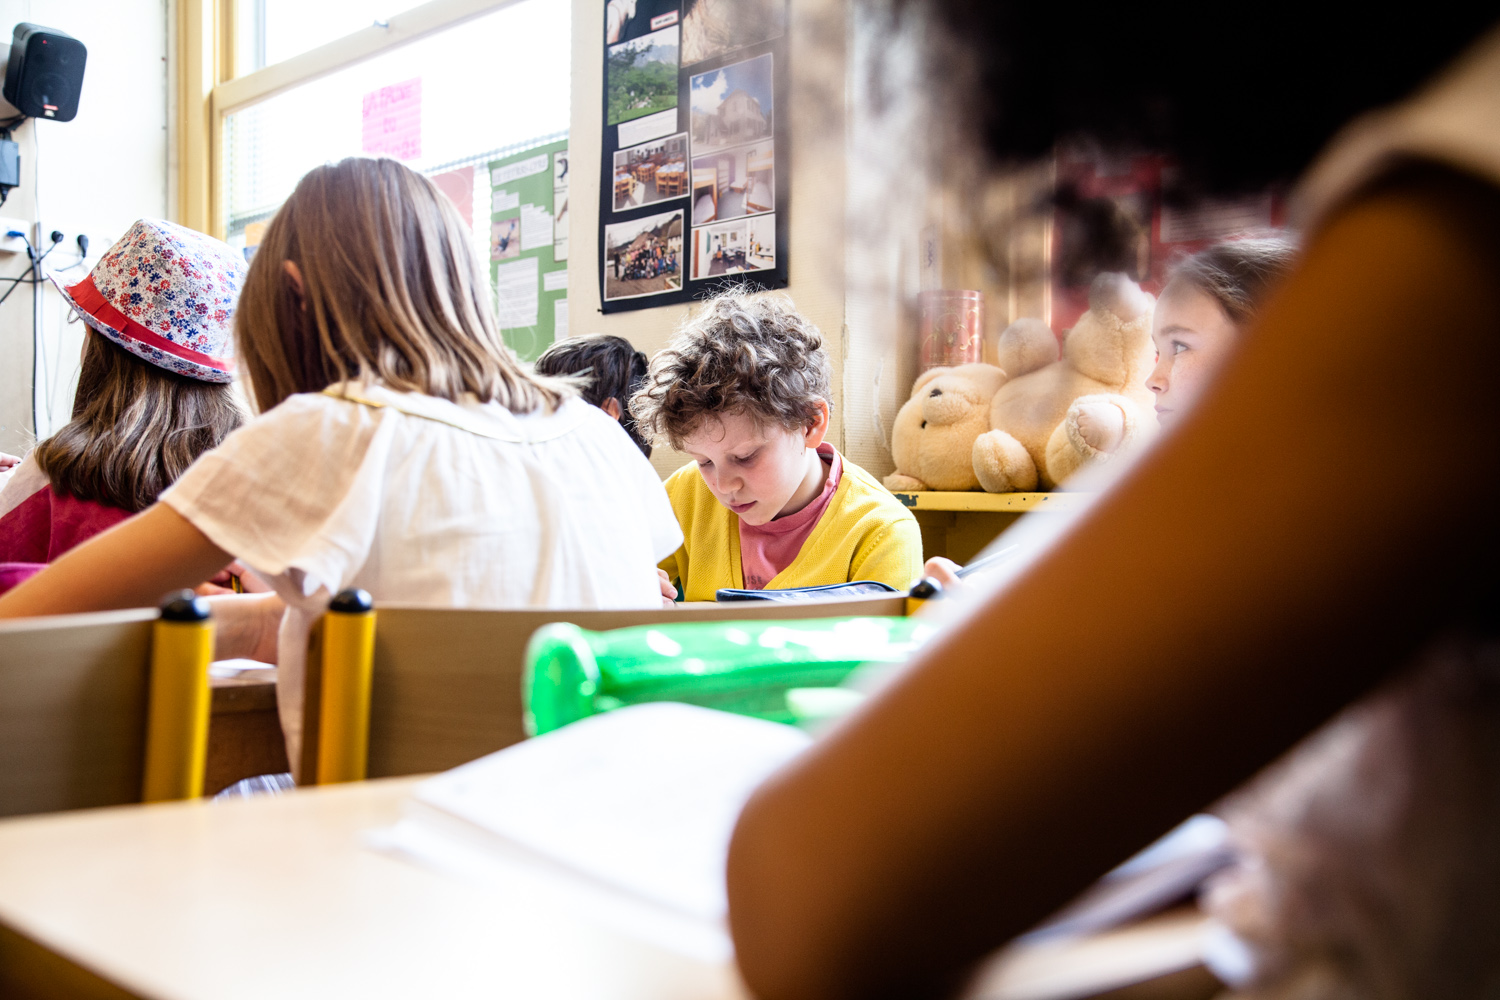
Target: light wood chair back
(446,684)
(81,700)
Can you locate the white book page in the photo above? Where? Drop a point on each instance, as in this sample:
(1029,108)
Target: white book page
(643,798)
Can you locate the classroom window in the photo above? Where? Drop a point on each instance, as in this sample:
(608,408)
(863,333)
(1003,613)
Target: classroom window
(272,30)
(441,104)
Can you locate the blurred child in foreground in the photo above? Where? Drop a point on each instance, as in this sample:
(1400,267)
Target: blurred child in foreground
(1259,569)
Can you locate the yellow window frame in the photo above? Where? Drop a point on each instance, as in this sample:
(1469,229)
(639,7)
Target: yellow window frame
(209,88)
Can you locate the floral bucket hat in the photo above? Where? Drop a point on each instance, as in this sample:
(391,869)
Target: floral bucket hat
(166,294)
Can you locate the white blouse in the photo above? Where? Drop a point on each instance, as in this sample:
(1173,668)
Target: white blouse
(422,501)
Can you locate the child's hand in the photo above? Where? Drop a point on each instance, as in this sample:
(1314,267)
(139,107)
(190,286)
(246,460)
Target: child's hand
(944,571)
(8,462)
(246,626)
(668,592)
(224,581)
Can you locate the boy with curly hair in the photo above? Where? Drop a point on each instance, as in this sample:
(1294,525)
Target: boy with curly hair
(767,503)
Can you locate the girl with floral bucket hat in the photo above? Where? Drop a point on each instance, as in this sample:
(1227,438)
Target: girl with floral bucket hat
(153,393)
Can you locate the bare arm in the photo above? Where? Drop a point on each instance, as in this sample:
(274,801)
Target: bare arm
(1256,571)
(129,566)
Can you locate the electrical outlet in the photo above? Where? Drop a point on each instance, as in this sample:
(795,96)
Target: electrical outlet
(67,256)
(14,244)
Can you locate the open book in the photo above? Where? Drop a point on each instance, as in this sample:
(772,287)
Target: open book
(639,803)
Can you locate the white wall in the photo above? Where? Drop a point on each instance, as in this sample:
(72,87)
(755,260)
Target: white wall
(816,276)
(98,174)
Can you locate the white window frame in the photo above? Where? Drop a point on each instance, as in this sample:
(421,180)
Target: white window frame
(208,88)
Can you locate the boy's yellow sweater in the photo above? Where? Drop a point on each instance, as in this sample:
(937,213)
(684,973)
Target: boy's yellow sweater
(865,534)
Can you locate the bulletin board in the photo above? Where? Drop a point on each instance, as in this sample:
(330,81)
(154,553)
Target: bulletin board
(529,246)
(694,188)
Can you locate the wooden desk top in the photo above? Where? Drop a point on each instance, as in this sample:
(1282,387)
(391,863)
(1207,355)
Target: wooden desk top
(279,897)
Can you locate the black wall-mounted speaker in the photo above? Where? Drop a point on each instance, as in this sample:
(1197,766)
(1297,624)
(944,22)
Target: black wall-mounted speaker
(45,72)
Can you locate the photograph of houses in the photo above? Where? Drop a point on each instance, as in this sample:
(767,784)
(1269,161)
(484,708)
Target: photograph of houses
(734,183)
(642,76)
(711,28)
(644,256)
(732,106)
(505,239)
(652,171)
(735,247)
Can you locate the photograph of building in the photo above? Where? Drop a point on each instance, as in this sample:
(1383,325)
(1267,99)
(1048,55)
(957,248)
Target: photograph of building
(732,105)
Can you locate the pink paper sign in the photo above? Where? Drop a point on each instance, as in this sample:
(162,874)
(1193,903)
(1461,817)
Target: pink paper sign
(392,121)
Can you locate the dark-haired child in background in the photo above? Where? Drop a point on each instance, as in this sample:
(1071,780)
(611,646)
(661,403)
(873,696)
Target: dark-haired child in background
(612,370)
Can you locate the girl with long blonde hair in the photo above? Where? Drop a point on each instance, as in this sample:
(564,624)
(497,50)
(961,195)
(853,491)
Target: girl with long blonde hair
(400,447)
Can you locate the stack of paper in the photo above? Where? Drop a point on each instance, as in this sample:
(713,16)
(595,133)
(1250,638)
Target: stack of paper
(640,802)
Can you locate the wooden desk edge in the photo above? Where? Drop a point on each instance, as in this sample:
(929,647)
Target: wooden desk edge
(30,969)
(1000,503)
(251,691)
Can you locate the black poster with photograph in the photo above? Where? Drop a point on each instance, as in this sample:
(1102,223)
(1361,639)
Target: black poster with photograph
(694,180)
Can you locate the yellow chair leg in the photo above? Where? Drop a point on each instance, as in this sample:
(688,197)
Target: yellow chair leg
(182,644)
(924,590)
(348,665)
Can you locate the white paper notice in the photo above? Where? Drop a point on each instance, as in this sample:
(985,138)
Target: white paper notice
(649,127)
(515,171)
(503,200)
(516,293)
(560,320)
(559,251)
(536,227)
(554,281)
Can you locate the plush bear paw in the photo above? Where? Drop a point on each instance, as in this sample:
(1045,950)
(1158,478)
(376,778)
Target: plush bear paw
(1002,464)
(900,482)
(1096,429)
(1099,426)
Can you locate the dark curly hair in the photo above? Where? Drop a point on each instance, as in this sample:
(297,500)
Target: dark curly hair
(743,353)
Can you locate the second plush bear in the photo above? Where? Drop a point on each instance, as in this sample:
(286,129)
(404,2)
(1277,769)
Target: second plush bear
(1043,427)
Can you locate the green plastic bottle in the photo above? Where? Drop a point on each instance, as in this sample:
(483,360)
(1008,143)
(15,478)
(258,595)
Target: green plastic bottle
(748,667)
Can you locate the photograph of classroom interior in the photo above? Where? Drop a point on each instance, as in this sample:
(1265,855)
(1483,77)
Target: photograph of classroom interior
(748,500)
(651,172)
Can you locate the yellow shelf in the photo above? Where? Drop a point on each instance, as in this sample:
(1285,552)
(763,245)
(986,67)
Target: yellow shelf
(999,503)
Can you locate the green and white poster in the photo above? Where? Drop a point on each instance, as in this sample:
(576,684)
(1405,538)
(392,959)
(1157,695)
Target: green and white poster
(529,246)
